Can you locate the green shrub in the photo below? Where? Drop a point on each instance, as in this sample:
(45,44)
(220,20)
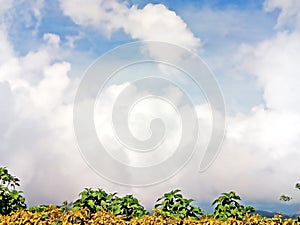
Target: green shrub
(93,200)
(10,199)
(227,206)
(174,205)
(127,206)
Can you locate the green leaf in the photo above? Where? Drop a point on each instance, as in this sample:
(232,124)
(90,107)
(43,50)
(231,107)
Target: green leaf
(91,203)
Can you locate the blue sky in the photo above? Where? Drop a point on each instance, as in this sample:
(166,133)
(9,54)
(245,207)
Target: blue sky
(252,47)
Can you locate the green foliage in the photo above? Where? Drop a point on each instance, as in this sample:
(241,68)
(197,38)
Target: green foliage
(127,206)
(227,206)
(297,186)
(93,200)
(41,208)
(285,198)
(174,205)
(10,199)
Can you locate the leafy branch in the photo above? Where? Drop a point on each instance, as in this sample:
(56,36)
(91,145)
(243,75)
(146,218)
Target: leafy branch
(10,199)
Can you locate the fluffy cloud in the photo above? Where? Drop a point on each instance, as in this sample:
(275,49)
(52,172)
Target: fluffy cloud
(261,148)
(274,63)
(153,22)
(36,135)
(265,141)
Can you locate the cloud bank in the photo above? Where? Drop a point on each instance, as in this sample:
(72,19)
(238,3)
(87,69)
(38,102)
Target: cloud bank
(260,155)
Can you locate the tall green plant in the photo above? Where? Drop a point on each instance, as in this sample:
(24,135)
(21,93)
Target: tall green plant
(227,206)
(173,204)
(10,199)
(127,206)
(93,200)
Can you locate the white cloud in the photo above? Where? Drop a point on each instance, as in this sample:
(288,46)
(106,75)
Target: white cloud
(107,16)
(6,105)
(153,22)
(274,63)
(36,134)
(167,108)
(261,148)
(158,23)
(289,11)
(265,142)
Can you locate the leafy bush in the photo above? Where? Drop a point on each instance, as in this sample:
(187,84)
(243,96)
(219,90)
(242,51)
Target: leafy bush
(127,206)
(228,207)
(10,199)
(93,200)
(174,205)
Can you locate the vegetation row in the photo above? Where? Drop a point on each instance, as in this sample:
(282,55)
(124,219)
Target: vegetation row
(99,207)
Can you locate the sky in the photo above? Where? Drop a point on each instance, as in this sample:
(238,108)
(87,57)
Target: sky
(251,47)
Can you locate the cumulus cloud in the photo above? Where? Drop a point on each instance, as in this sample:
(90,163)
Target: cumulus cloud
(36,135)
(274,63)
(156,22)
(265,141)
(153,22)
(261,148)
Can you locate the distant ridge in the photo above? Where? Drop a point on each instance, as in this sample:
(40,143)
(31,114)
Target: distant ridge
(272,214)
